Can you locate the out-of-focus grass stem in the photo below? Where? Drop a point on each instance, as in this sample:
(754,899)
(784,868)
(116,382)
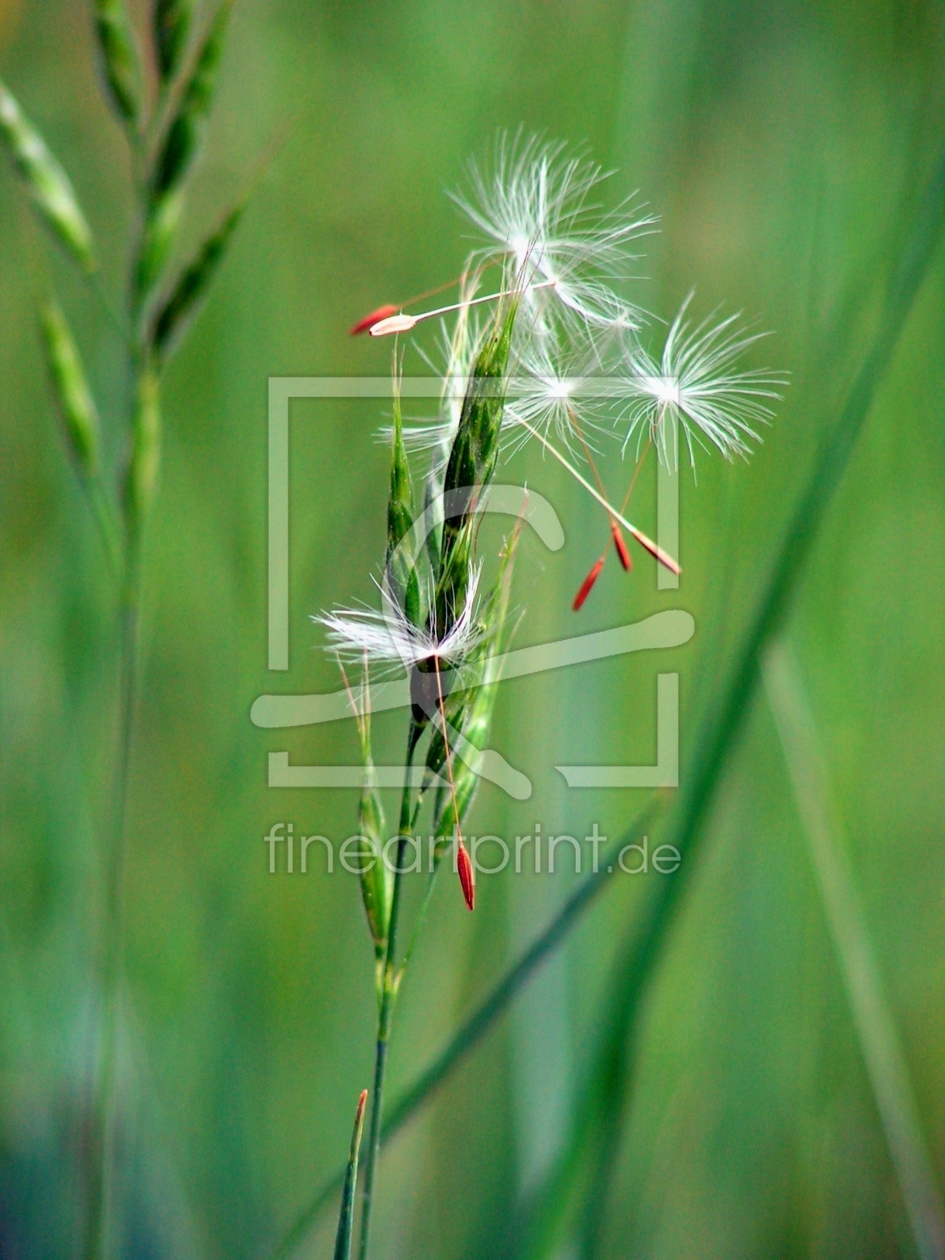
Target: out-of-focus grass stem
(113,917)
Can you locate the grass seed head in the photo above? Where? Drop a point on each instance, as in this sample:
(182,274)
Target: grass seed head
(120,61)
(183,134)
(46,182)
(73,396)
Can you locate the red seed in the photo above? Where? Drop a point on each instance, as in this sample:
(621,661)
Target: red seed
(375,317)
(586,585)
(663,557)
(466,878)
(621,546)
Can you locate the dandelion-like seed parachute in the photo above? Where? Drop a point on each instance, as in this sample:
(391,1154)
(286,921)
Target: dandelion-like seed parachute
(535,207)
(553,391)
(697,384)
(389,638)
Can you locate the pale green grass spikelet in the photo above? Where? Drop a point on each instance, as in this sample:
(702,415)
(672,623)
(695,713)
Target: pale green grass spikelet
(121,64)
(47,183)
(183,300)
(73,396)
(181,140)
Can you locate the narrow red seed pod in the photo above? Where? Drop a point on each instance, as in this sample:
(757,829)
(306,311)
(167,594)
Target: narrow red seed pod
(621,546)
(465,868)
(360,1111)
(375,317)
(663,557)
(586,585)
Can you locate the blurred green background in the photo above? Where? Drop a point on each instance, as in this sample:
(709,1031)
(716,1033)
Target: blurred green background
(784,146)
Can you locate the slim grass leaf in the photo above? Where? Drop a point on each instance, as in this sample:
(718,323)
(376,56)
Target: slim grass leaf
(346,1215)
(47,183)
(600,1114)
(170,22)
(183,134)
(73,397)
(181,303)
(121,64)
(875,1025)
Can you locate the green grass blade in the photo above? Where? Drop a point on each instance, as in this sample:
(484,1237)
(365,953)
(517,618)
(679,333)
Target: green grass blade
(875,1026)
(711,750)
(346,1214)
(46,182)
(599,1117)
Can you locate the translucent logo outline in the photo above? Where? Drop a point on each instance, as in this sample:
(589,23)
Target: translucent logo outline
(666,629)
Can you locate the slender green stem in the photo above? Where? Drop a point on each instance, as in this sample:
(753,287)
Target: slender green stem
(105,522)
(475,1027)
(109,960)
(388,1001)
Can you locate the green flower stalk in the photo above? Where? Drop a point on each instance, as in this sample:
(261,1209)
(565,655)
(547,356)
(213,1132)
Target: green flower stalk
(557,358)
